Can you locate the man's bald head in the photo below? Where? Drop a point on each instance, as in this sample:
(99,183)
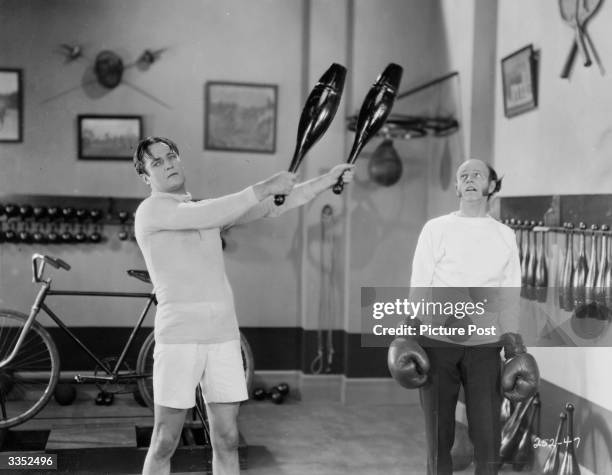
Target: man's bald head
(476,179)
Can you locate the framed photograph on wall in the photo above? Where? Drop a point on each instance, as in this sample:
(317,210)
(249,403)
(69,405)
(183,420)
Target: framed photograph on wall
(240,117)
(108,137)
(11,105)
(519,82)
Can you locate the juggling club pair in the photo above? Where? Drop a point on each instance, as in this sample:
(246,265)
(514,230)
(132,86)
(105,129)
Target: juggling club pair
(322,104)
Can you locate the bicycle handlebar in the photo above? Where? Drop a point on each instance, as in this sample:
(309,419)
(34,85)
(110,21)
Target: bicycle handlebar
(38,267)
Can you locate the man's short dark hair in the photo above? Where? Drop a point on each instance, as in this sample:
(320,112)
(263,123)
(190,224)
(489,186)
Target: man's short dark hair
(493,177)
(143,150)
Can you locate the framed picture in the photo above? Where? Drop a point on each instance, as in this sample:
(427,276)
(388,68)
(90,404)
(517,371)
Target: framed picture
(519,81)
(11,106)
(108,137)
(240,117)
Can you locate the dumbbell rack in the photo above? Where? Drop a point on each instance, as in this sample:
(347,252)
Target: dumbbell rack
(33,219)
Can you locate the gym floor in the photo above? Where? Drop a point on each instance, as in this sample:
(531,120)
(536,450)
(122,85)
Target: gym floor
(295,438)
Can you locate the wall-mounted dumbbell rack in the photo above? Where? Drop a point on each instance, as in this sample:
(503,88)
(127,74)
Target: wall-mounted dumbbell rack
(50,220)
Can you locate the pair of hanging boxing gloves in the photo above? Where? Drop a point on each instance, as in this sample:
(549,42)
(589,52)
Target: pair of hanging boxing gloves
(409,366)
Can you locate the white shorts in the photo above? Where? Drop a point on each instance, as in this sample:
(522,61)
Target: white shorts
(179,367)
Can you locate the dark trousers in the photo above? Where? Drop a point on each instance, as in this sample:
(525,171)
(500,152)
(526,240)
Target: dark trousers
(478,370)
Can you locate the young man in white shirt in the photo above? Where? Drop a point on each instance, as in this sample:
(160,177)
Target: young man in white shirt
(467,249)
(196,330)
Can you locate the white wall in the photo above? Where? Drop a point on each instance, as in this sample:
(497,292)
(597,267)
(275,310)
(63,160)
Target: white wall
(385,222)
(563,146)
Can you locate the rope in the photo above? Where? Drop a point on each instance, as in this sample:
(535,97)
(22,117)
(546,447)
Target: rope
(326,296)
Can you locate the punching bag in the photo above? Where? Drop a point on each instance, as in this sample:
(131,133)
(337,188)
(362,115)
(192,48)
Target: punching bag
(385,167)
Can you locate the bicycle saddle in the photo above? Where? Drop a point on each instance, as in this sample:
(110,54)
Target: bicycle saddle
(140,275)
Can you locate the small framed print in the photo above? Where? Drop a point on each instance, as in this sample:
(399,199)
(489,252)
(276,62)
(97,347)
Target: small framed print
(240,117)
(11,105)
(519,81)
(108,137)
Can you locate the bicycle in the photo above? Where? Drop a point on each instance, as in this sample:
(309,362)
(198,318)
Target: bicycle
(29,360)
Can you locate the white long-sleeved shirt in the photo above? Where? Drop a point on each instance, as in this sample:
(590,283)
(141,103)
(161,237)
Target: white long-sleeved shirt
(181,245)
(454,251)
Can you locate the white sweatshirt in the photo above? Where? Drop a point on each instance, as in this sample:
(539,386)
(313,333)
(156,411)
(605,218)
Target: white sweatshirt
(181,245)
(457,251)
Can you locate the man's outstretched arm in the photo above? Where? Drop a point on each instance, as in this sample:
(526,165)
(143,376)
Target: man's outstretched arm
(158,214)
(299,196)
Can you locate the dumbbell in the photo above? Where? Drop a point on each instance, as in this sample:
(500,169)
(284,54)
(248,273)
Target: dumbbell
(68,213)
(95,236)
(105,399)
(25,211)
(277,394)
(53,237)
(10,235)
(11,210)
(66,237)
(123,216)
(39,212)
(82,214)
(39,237)
(95,215)
(259,394)
(283,388)
(25,236)
(54,213)
(80,236)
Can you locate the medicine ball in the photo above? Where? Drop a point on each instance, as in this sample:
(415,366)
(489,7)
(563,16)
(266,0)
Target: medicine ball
(64,394)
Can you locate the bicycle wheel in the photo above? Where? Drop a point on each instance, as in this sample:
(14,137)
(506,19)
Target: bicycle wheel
(144,366)
(28,381)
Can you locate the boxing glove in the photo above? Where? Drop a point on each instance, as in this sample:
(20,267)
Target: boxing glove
(408,363)
(520,375)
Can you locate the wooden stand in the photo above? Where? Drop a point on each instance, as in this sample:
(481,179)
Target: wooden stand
(111,448)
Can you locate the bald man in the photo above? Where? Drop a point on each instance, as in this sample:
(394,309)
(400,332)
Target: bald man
(466,248)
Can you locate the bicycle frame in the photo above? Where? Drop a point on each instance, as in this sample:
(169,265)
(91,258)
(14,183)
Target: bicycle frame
(112,374)
(39,304)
